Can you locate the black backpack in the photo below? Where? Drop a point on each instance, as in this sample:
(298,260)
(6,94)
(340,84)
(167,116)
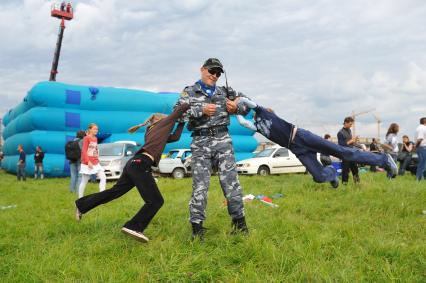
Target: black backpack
(73,151)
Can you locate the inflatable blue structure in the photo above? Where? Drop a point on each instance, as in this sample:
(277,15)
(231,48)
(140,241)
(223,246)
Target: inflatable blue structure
(51,114)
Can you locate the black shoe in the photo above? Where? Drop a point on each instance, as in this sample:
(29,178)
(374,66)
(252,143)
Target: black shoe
(198,231)
(335,183)
(239,226)
(356,179)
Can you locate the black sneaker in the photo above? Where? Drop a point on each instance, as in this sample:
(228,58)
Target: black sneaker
(198,231)
(335,183)
(239,226)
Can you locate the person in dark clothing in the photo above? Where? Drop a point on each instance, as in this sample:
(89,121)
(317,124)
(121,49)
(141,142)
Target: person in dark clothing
(344,138)
(325,158)
(404,156)
(38,161)
(137,172)
(305,145)
(21,175)
(75,176)
(374,148)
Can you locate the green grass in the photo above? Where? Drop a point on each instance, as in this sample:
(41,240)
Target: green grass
(374,232)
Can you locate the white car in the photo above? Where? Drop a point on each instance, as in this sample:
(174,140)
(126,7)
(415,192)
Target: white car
(273,160)
(176,163)
(114,156)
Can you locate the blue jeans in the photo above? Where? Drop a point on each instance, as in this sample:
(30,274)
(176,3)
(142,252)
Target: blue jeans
(421,165)
(75,176)
(306,145)
(38,169)
(21,172)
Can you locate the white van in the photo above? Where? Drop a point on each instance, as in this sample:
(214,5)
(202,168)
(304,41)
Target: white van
(114,156)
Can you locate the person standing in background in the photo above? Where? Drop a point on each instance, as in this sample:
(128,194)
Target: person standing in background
(404,155)
(73,154)
(21,164)
(344,137)
(374,148)
(1,157)
(38,161)
(421,149)
(391,141)
(90,160)
(324,158)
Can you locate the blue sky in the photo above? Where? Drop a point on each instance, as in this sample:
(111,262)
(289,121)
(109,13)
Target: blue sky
(313,62)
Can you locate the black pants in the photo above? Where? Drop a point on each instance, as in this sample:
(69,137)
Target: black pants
(137,172)
(352,166)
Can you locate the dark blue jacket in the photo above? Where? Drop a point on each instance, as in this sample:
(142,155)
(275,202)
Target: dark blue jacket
(273,127)
(22,156)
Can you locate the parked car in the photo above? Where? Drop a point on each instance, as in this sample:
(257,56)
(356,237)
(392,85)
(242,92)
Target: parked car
(176,163)
(273,160)
(412,167)
(114,156)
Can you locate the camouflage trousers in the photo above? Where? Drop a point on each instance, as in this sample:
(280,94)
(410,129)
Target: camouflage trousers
(208,152)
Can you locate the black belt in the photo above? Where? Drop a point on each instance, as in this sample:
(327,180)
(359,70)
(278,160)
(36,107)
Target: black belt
(213,131)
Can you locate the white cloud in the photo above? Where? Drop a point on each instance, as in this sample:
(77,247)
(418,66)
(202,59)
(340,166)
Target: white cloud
(314,62)
(416,81)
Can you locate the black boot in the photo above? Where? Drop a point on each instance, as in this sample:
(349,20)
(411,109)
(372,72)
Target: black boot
(198,231)
(239,226)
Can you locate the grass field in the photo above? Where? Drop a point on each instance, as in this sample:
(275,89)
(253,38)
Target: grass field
(374,232)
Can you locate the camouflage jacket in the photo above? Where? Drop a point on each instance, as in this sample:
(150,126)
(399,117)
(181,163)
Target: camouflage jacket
(197,98)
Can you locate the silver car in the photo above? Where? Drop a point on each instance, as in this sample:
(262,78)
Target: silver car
(114,156)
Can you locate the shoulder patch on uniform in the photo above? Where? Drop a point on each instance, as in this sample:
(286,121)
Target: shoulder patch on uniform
(184,94)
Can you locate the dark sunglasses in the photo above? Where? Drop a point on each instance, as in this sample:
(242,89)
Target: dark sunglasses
(215,72)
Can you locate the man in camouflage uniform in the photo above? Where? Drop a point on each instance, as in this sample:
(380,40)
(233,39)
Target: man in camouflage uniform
(208,118)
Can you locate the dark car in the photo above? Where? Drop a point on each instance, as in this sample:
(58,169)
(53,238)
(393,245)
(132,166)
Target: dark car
(412,167)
